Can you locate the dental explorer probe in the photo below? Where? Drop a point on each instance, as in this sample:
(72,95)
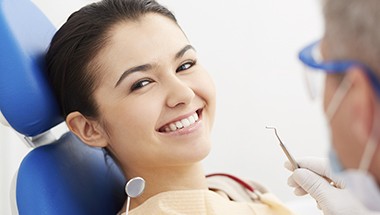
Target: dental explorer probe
(294,162)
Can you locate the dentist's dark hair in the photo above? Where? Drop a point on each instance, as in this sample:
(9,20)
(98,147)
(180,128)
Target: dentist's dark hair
(70,59)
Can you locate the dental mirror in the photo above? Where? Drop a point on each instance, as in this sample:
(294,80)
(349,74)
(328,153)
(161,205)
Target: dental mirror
(134,188)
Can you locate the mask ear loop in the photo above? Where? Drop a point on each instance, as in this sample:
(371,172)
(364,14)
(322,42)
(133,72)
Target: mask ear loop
(371,145)
(338,97)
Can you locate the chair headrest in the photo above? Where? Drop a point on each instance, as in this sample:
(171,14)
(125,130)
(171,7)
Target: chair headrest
(26,99)
(69,177)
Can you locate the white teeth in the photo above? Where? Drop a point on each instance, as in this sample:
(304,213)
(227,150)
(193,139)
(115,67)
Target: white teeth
(183,123)
(178,124)
(172,127)
(191,119)
(195,117)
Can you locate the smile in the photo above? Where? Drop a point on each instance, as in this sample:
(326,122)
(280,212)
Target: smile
(180,124)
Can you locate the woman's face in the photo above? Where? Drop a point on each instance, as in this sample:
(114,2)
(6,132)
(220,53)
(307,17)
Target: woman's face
(152,83)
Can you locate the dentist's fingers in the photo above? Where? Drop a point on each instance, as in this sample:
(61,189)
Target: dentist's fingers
(291,182)
(288,165)
(298,191)
(312,183)
(317,165)
(332,200)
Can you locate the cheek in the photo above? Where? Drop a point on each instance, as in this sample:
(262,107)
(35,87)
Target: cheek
(131,122)
(205,88)
(204,85)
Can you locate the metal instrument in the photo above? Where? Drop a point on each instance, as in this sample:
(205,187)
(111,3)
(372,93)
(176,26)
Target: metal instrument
(134,188)
(293,161)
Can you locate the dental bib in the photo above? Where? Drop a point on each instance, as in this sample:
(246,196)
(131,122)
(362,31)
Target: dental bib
(224,197)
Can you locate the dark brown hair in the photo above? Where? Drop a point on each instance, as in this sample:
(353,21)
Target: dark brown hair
(70,69)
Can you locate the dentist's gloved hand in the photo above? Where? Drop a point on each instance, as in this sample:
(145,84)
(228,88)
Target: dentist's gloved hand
(331,200)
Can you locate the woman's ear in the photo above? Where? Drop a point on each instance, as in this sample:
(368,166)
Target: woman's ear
(363,103)
(89,131)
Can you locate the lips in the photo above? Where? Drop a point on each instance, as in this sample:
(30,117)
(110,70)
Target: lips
(180,124)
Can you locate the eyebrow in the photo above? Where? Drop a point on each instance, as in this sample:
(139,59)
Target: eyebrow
(146,67)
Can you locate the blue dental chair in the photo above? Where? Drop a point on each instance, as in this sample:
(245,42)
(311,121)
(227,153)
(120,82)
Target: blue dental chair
(58,176)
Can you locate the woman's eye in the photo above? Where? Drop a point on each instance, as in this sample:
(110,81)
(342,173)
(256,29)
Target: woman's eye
(140,84)
(186,66)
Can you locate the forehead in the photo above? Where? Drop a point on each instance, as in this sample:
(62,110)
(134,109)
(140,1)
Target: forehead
(150,34)
(151,38)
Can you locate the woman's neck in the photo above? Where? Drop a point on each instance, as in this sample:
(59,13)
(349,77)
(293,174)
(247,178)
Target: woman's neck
(160,180)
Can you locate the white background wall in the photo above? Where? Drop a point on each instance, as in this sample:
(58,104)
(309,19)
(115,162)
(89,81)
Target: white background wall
(250,48)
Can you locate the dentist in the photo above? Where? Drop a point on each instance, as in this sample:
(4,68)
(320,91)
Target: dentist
(349,57)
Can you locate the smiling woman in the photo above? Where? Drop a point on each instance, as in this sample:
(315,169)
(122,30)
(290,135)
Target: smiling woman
(128,79)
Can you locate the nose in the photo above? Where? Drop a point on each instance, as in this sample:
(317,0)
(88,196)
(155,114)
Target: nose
(179,92)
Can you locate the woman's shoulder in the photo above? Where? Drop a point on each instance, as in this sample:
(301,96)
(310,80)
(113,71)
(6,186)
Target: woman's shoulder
(243,190)
(227,194)
(237,188)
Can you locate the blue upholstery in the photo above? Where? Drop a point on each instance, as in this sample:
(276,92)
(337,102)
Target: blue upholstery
(65,177)
(26,100)
(69,178)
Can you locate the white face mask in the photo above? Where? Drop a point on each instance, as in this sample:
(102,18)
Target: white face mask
(359,181)
(363,186)
(331,110)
